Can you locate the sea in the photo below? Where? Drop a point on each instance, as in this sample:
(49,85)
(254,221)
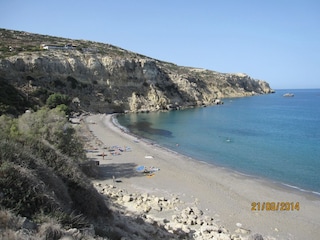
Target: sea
(269,136)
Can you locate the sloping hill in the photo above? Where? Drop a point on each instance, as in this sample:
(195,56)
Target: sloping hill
(104,78)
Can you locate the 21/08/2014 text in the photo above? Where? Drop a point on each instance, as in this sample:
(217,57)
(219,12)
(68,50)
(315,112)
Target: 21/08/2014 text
(275,206)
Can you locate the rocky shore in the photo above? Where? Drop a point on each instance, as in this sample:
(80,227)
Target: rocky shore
(165,218)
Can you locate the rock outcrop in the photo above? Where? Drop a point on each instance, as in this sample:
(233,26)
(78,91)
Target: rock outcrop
(103,81)
(166,218)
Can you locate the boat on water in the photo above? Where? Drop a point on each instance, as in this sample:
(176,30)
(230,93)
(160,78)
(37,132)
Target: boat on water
(288,95)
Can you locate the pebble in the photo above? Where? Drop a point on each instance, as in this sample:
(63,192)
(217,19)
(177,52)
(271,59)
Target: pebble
(239,225)
(127,198)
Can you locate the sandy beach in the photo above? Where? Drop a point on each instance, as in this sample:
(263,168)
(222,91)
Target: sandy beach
(225,195)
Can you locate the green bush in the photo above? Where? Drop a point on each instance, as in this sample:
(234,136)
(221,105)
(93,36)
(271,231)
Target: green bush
(57,99)
(64,108)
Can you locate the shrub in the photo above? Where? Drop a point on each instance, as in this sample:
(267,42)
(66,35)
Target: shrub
(52,125)
(51,230)
(57,99)
(22,191)
(64,108)
(40,174)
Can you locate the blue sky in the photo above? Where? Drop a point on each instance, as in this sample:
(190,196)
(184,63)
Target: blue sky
(274,40)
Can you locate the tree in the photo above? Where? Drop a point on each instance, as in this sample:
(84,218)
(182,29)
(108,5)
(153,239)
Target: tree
(57,99)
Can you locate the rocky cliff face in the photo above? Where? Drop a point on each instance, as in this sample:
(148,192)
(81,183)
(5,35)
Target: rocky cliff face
(103,82)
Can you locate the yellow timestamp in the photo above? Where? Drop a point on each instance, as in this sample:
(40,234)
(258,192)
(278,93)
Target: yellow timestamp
(275,206)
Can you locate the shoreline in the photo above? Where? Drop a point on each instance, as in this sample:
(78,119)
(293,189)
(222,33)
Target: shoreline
(278,184)
(219,191)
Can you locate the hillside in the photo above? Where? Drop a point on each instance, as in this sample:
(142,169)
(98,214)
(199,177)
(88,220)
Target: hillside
(100,77)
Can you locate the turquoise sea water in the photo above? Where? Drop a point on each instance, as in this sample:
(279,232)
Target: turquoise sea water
(267,136)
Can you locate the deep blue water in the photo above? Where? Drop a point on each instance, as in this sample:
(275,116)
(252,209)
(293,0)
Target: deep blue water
(268,136)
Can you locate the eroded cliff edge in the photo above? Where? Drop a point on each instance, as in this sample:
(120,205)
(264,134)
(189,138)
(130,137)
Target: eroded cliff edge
(110,79)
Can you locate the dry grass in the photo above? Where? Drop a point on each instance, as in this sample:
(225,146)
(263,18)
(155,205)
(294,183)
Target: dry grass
(12,227)
(9,220)
(50,230)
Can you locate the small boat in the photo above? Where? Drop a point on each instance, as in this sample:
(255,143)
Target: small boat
(288,95)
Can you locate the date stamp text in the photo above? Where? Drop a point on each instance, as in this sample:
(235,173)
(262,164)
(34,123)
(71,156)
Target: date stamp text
(275,206)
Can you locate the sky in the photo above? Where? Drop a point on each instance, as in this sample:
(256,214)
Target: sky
(273,40)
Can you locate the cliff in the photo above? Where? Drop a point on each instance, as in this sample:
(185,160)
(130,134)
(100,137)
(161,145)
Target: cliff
(103,78)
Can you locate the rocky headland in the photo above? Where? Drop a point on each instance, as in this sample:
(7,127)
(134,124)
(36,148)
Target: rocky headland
(103,78)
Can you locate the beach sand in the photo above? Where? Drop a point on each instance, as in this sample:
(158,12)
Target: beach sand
(225,195)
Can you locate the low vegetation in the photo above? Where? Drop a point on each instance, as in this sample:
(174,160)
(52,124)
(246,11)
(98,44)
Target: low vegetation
(14,42)
(40,177)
